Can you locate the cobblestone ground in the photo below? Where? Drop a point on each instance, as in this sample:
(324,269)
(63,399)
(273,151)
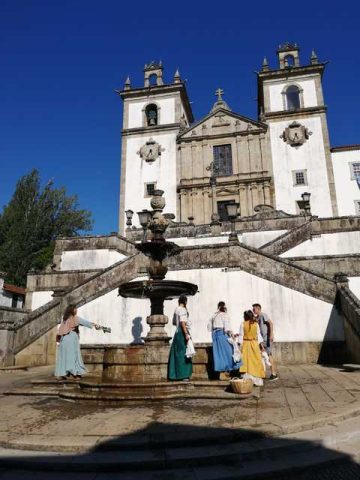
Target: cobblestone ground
(338,472)
(309,403)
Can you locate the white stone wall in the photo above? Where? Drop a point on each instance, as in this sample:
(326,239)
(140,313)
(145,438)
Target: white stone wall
(252,239)
(310,157)
(40,298)
(276,97)
(166,112)
(347,190)
(354,285)
(138,172)
(315,320)
(328,244)
(89,259)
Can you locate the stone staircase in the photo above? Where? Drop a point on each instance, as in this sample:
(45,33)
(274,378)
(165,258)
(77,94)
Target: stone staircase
(37,323)
(211,454)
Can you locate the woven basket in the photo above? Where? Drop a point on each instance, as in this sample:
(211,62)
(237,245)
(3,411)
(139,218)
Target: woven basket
(241,386)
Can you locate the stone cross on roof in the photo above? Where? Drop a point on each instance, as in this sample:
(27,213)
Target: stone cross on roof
(220,103)
(218,93)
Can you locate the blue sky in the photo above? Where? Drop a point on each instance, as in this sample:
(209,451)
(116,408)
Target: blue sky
(62,60)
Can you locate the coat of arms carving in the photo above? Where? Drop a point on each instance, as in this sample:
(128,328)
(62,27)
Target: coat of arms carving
(295,134)
(151,151)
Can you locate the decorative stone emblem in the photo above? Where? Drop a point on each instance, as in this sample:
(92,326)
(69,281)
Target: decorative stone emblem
(151,151)
(295,134)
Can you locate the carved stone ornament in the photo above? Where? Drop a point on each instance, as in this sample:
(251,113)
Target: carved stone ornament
(295,134)
(151,151)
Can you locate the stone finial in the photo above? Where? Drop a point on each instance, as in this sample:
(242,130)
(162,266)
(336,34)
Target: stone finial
(177,78)
(127,83)
(313,58)
(265,65)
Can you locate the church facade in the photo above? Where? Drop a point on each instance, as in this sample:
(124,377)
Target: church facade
(295,233)
(271,160)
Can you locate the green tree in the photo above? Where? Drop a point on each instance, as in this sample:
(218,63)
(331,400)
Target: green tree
(31,221)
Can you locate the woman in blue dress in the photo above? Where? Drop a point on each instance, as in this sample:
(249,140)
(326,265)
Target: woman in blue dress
(68,358)
(223,350)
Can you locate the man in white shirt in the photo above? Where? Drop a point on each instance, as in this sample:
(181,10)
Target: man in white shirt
(267,332)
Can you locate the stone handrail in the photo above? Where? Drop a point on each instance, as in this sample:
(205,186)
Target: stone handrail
(350,308)
(288,240)
(256,262)
(43,319)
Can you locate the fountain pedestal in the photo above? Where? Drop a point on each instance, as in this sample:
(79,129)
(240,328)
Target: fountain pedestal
(157,331)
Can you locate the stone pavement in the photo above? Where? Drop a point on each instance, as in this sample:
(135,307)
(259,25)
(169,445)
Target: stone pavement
(309,404)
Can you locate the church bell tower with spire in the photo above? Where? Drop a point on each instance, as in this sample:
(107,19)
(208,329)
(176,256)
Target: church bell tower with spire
(152,118)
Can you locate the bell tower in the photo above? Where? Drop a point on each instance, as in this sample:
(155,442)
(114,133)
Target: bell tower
(291,102)
(152,118)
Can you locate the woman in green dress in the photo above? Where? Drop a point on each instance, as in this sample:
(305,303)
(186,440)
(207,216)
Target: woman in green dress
(180,367)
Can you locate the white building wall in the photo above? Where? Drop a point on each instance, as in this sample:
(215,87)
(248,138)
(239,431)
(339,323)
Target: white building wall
(166,112)
(313,322)
(354,285)
(276,96)
(252,239)
(310,157)
(89,259)
(328,244)
(40,298)
(138,172)
(347,190)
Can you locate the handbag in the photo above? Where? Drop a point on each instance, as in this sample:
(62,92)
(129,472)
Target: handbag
(190,350)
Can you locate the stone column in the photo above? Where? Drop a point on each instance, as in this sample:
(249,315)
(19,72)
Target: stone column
(267,194)
(207,205)
(254,196)
(243,201)
(184,205)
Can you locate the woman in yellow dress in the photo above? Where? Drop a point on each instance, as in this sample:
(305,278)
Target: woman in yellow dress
(250,339)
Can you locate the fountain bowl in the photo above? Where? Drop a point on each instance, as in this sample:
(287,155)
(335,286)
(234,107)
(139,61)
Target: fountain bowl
(165,289)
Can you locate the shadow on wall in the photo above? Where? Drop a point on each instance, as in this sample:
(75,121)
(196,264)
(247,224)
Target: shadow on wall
(169,451)
(334,352)
(136,331)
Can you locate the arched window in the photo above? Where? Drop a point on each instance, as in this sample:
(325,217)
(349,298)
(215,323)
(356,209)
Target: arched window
(153,80)
(151,112)
(289,61)
(292,97)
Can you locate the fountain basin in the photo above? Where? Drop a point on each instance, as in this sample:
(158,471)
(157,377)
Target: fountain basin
(153,289)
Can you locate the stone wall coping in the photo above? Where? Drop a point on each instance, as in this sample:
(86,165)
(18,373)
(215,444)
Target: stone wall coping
(15,310)
(257,251)
(324,257)
(41,273)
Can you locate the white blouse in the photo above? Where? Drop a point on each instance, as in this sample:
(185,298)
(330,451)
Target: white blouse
(219,320)
(181,315)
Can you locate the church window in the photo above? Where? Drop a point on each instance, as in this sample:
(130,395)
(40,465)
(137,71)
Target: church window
(299,177)
(151,112)
(150,189)
(355,171)
(222,210)
(289,60)
(153,80)
(357,207)
(222,160)
(292,97)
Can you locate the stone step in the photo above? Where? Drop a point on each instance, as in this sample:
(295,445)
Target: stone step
(260,458)
(113,393)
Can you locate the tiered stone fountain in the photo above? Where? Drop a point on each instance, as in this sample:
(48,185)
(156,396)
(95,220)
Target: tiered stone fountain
(127,373)
(148,362)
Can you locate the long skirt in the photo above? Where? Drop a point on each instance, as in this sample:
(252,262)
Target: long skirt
(179,367)
(68,358)
(223,353)
(253,366)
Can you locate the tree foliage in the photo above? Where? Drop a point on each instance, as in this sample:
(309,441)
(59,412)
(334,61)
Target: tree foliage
(31,221)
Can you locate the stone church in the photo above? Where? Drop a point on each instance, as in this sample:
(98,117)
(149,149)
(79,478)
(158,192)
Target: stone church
(266,210)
